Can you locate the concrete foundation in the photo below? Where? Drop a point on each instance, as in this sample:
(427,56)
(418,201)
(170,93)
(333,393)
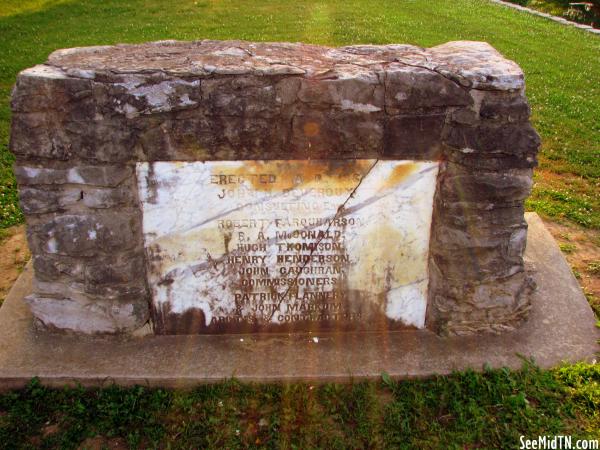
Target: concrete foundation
(561,328)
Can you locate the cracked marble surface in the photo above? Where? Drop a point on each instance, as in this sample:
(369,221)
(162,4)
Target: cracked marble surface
(239,245)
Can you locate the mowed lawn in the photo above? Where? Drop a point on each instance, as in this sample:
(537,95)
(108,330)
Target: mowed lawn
(489,410)
(562,64)
(467,410)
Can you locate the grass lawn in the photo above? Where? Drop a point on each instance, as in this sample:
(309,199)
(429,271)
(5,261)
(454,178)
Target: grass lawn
(466,410)
(490,410)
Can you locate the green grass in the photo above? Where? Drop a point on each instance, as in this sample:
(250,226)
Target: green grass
(465,410)
(567,248)
(561,63)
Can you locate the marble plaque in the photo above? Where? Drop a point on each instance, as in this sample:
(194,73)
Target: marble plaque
(247,246)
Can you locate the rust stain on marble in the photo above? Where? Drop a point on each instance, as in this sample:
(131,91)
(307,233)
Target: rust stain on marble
(261,244)
(399,174)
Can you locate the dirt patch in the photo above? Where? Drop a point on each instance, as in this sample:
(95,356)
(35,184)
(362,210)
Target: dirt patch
(581,247)
(14,254)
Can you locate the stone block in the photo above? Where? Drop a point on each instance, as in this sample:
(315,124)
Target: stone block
(147,94)
(466,216)
(39,135)
(512,185)
(475,264)
(346,88)
(106,271)
(504,107)
(108,176)
(34,200)
(38,201)
(410,88)
(213,138)
(497,305)
(124,292)
(93,317)
(48,89)
(104,198)
(340,135)
(518,139)
(85,235)
(95,130)
(490,161)
(249,97)
(55,267)
(107,141)
(414,137)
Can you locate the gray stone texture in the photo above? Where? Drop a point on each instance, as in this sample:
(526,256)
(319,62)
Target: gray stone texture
(84,118)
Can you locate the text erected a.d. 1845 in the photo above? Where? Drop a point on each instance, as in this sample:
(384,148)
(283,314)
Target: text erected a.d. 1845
(244,246)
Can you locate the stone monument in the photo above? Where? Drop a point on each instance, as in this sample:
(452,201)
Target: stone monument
(236,187)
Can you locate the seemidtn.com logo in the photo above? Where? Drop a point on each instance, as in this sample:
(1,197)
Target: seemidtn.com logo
(557,442)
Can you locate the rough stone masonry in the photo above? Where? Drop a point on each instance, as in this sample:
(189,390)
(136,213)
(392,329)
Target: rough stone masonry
(84,119)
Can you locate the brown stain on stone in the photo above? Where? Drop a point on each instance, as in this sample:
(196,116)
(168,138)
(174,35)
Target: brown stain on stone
(311,129)
(277,176)
(357,303)
(226,240)
(195,150)
(189,322)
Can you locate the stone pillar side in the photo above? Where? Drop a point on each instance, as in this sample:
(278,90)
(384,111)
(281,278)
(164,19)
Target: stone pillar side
(478,281)
(79,197)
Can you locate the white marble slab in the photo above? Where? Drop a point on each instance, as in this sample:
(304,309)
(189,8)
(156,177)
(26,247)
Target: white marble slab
(270,245)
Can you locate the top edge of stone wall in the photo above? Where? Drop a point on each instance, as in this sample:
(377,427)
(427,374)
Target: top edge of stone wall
(474,65)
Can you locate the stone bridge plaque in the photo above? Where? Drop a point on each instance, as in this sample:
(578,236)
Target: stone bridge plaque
(229,186)
(287,245)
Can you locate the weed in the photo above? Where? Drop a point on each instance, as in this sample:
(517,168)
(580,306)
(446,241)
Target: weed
(567,248)
(594,302)
(594,268)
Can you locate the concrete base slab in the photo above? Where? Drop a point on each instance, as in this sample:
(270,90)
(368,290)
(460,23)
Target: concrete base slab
(561,328)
